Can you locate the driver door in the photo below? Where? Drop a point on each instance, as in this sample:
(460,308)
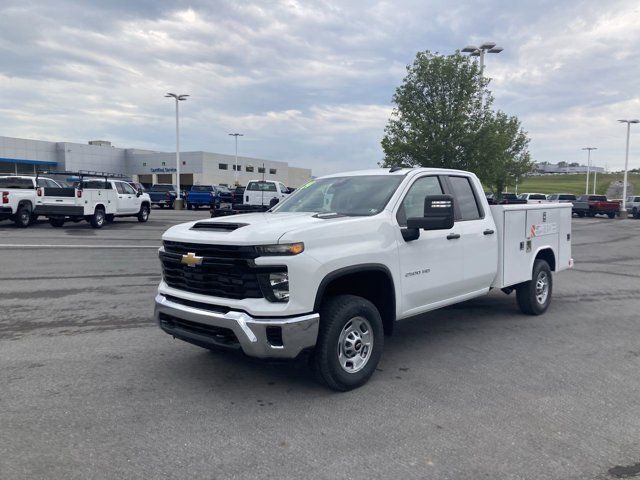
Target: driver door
(133,200)
(430,266)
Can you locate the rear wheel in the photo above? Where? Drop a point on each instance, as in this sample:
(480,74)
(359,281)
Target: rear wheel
(56,222)
(350,342)
(143,214)
(189,206)
(23,216)
(534,296)
(98,218)
(611,214)
(635,212)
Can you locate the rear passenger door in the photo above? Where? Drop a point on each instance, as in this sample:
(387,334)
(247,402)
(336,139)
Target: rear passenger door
(478,236)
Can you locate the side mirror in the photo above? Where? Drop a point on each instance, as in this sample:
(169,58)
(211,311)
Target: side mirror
(438,215)
(139,193)
(273,202)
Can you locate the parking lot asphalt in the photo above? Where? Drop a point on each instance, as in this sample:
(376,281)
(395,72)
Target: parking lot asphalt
(91,388)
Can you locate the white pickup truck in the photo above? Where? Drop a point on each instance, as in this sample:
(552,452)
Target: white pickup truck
(333,267)
(96,200)
(19,198)
(264,192)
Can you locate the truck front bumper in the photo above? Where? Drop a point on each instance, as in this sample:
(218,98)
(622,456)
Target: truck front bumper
(257,337)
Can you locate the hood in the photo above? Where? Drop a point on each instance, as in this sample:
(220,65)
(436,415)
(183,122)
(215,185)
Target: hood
(245,229)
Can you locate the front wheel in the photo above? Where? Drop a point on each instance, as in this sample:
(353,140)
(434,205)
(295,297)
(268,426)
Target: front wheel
(611,215)
(56,222)
(534,296)
(350,342)
(143,214)
(189,206)
(635,213)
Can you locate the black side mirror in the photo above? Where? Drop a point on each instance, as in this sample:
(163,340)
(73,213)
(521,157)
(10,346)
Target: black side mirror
(438,215)
(139,193)
(273,202)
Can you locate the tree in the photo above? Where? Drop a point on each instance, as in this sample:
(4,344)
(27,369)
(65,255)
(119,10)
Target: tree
(563,164)
(443,118)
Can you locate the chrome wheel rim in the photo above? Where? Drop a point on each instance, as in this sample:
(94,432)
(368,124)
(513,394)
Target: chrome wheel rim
(542,288)
(355,344)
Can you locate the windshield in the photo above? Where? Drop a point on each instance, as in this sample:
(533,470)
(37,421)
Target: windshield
(223,189)
(359,195)
(162,188)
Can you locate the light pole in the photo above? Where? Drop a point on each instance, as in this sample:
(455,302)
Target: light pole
(626,163)
(236,135)
(588,149)
(595,178)
(178,205)
(488,47)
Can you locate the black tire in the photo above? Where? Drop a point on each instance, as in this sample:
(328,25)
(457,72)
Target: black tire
(110,217)
(161,205)
(98,218)
(34,218)
(189,206)
(591,214)
(581,214)
(56,222)
(611,215)
(171,206)
(337,315)
(635,213)
(527,292)
(22,217)
(143,214)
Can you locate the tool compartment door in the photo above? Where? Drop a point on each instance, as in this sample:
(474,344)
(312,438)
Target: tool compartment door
(516,261)
(543,226)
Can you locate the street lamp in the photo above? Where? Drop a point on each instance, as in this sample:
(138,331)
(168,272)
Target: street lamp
(626,163)
(487,47)
(178,98)
(236,167)
(586,189)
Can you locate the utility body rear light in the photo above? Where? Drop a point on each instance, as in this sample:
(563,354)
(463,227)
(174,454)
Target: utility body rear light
(79,193)
(5,197)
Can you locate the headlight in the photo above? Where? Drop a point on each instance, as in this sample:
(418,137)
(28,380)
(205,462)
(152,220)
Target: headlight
(275,286)
(281,249)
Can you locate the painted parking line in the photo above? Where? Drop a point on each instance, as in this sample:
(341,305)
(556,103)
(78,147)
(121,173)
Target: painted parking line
(15,245)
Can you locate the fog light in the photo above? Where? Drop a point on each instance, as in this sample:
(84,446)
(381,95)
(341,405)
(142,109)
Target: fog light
(279,283)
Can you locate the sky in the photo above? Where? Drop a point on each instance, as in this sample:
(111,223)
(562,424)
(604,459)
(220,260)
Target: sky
(310,83)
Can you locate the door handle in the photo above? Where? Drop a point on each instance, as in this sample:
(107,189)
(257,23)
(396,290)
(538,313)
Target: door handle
(488,231)
(453,236)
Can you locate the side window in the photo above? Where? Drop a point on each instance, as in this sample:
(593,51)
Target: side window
(413,202)
(42,182)
(128,188)
(465,198)
(120,187)
(51,184)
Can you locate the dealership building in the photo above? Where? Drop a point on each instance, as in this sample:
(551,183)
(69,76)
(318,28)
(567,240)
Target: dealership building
(23,156)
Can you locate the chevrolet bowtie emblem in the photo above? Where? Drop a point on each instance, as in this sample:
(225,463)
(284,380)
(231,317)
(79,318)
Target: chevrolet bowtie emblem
(191,260)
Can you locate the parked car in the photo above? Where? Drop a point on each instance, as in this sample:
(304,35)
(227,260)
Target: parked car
(592,205)
(238,193)
(330,270)
(533,197)
(510,199)
(95,200)
(633,206)
(163,194)
(20,197)
(262,192)
(562,198)
(224,194)
(200,195)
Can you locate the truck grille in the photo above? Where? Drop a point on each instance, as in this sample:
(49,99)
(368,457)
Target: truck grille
(226,271)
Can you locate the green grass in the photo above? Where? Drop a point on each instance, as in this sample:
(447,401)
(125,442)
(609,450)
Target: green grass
(573,183)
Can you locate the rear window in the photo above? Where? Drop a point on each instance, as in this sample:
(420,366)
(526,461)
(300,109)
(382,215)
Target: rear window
(261,186)
(96,184)
(567,197)
(16,182)
(162,188)
(202,188)
(537,197)
(598,198)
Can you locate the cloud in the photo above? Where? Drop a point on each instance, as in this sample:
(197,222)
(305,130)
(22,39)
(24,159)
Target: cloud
(307,81)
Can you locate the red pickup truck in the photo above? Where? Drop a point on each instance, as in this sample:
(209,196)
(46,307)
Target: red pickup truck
(592,205)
